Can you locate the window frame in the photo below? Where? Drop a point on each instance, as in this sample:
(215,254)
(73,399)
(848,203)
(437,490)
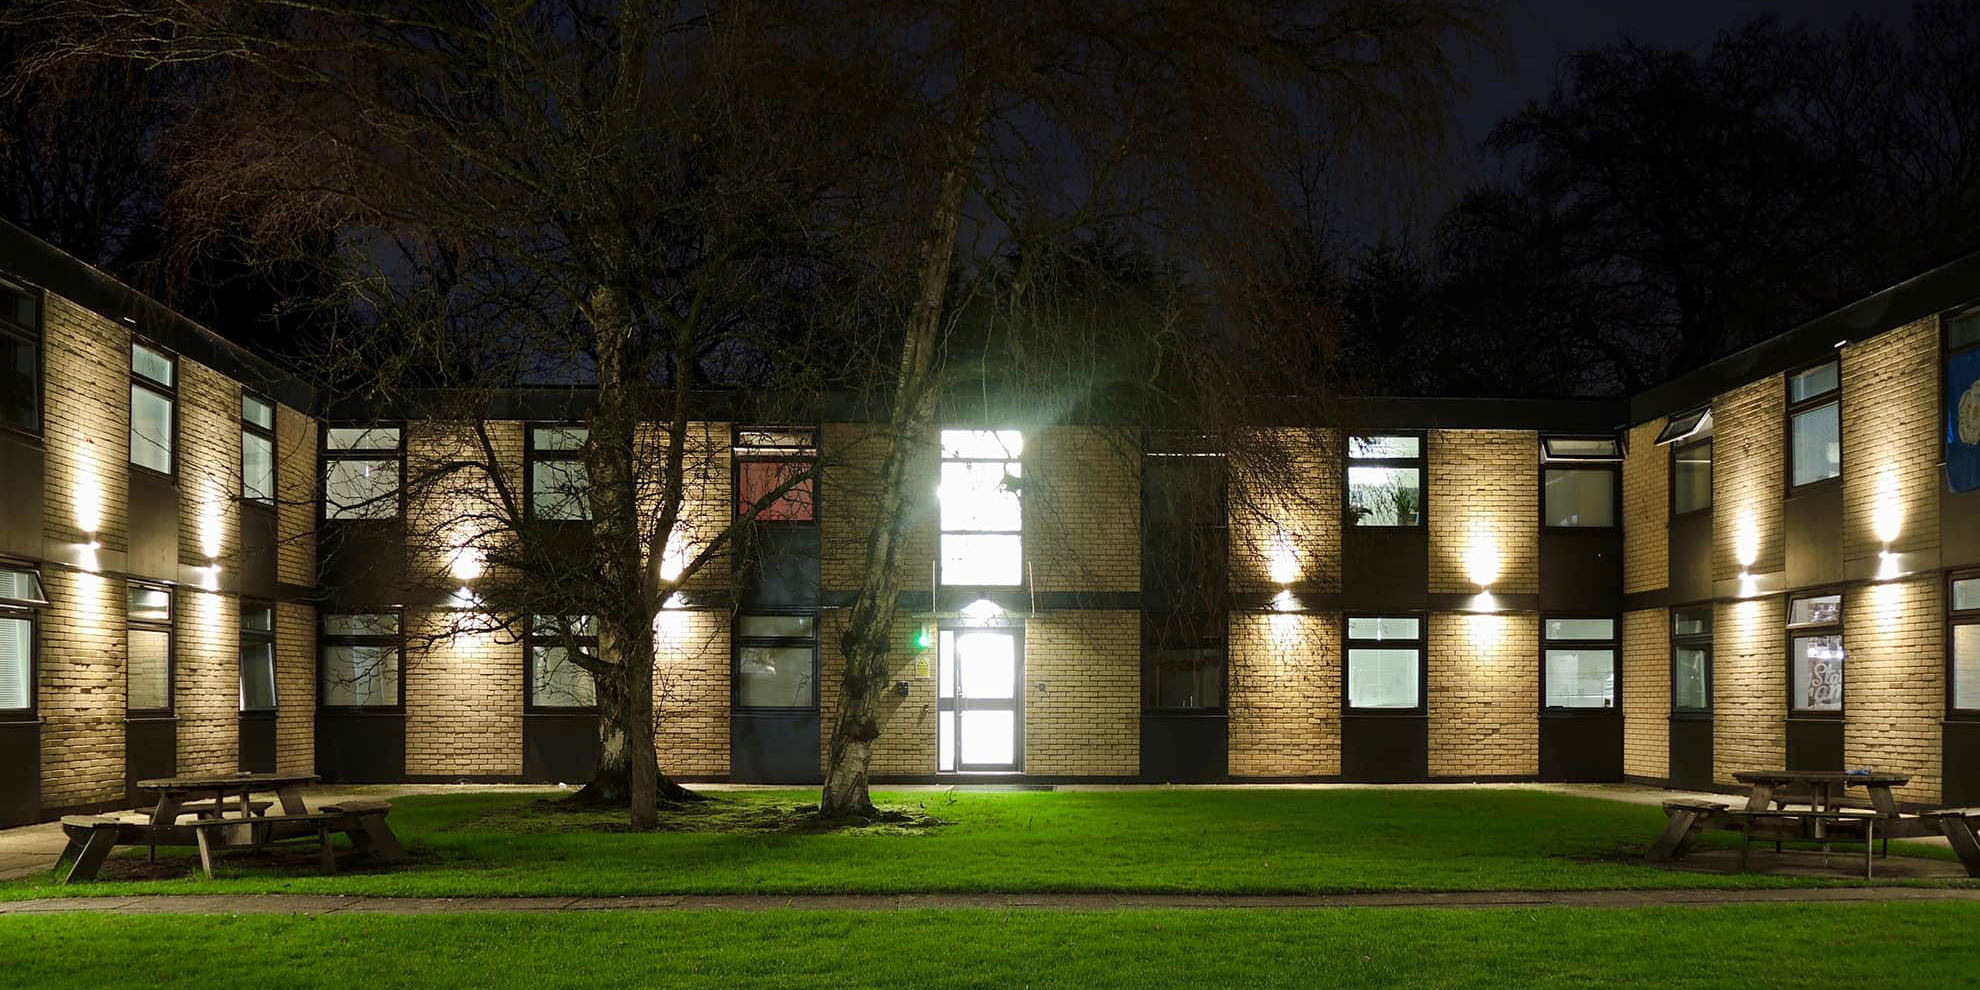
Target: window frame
(1613,644)
(1674,449)
(531,642)
(170,393)
(168,627)
(532,454)
(1807,630)
(30,611)
(1420,644)
(249,427)
(326,455)
(941,533)
(1694,641)
(1610,464)
(739,454)
(36,337)
(397,641)
(738,642)
(1795,408)
(1153,625)
(1956,618)
(1420,463)
(258,637)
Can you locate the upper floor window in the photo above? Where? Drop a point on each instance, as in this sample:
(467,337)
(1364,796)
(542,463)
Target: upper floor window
(1689,435)
(1578,481)
(1691,659)
(1815,654)
(1385,662)
(257,449)
(154,407)
(148,665)
(559,483)
(1965,651)
(1815,424)
(555,679)
(1580,663)
(773,474)
(257,657)
(21,598)
(20,358)
(359,664)
(361,472)
(1385,480)
(982,510)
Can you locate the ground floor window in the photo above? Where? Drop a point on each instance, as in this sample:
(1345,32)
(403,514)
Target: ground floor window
(1691,659)
(1384,662)
(148,651)
(777,661)
(1815,653)
(1182,661)
(257,657)
(556,680)
(1965,652)
(1580,663)
(360,665)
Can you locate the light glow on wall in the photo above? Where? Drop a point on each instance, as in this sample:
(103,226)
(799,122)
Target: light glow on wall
(1485,630)
(466,563)
(1887,516)
(1481,556)
(1282,559)
(982,610)
(89,491)
(670,627)
(212,521)
(673,560)
(1746,540)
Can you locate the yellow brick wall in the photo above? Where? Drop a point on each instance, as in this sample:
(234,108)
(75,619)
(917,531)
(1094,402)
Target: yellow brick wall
(1646,507)
(1749,687)
(295,688)
(907,730)
(207,683)
(1082,509)
(1082,699)
(1484,694)
(1284,489)
(1285,694)
(1646,693)
(1484,486)
(1894,682)
(852,455)
(706,508)
(82,689)
(691,692)
(1746,477)
(85,426)
(449,508)
(1891,439)
(209,451)
(295,483)
(464,696)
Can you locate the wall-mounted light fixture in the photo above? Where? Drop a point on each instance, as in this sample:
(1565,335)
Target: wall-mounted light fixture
(1887,521)
(1746,549)
(1481,556)
(1282,559)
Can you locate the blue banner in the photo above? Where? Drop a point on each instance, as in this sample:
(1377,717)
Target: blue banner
(1963,421)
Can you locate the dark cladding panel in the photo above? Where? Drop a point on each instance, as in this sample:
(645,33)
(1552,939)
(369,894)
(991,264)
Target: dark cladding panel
(560,748)
(1385,569)
(20,498)
(1582,748)
(1815,744)
(1581,570)
(1691,557)
(257,740)
(1691,752)
(1959,527)
(779,747)
(20,773)
(363,563)
(258,552)
(1814,537)
(1962,763)
(360,747)
(154,518)
(151,750)
(1184,748)
(1385,749)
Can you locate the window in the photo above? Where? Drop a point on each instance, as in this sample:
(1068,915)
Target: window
(1691,659)
(982,511)
(1385,662)
(1815,424)
(555,679)
(1815,654)
(768,459)
(1580,663)
(361,472)
(1578,481)
(1962,392)
(20,596)
(1182,661)
(360,661)
(1965,652)
(148,665)
(1385,480)
(154,404)
(257,450)
(776,661)
(1691,476)
(257,657)
(20,358)
(1688,425)
(559,483)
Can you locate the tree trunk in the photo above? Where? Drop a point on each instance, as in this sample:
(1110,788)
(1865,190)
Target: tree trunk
(849,756)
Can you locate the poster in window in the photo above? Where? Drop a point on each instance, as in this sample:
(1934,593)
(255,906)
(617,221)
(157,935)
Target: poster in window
(1963,421)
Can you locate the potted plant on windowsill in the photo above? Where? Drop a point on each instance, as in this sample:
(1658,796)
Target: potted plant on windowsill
(1405,503)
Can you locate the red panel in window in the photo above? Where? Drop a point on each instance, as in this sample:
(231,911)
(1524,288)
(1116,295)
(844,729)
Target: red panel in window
(755,480)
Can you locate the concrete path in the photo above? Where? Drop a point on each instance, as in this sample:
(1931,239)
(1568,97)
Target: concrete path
(316,905)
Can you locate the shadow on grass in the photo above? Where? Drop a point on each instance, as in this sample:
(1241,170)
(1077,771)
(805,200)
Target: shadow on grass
(712,815)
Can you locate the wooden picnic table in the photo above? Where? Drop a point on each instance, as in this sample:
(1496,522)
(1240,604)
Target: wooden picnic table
(174,793)
(1821,790)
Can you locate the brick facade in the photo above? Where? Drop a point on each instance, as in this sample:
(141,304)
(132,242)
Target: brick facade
(1483,695)
(1646,693)
(1484,491)
(1894,682)
(295,688)
(206,641)
(1285,492)
(1285,694)
(1082,509)
(1082,693)
(691,692)
(82,689)
(1891,441)
(907,739)
(1749,687)
(1646,510)
(1748,478)
(464,698)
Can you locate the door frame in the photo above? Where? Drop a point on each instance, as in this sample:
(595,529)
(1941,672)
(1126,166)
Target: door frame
(1013,628)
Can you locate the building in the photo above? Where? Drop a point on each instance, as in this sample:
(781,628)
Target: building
(1760,564)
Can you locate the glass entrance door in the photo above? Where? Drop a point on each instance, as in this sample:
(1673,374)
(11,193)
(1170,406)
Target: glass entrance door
(978,716)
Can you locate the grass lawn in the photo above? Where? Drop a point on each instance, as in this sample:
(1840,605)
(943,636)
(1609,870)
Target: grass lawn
(1749,946)
(1234,841)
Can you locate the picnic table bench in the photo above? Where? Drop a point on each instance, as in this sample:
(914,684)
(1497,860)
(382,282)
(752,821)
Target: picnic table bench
(231,818)
(1829,812)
